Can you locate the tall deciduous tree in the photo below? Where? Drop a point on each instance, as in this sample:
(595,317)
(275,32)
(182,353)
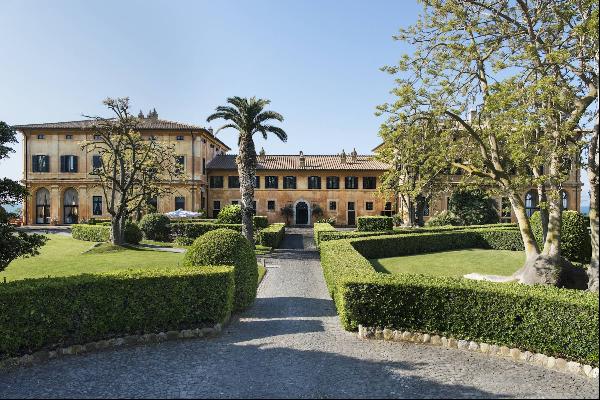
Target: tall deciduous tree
(133,167)
(528,68)
(417,166)
(13,244)
(247,117)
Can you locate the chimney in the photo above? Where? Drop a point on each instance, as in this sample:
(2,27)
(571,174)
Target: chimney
(354,156)
(302,160)
(343,157)
(262,156)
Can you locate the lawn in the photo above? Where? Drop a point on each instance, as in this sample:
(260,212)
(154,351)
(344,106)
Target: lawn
(63,256)
(454,263)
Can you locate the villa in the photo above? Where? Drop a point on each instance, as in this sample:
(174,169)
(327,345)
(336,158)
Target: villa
(58,174)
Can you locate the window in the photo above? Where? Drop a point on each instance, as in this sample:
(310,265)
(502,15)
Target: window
(180,203)
(271,182)
(506,211)
(233,182)
(71,206)
(426,209)
(179,137)
(68,163)
(41,136)
(387,209)
(97,205)
(271,205)
(333,182)
(332,205)
(351,182)
(235,202)
(96,162)
(369,182)
(68,137)
(40,163)
(531,203)
(289,182)
(565,199)
(180,161)
(152,204)
(257,182)
(216,208)
(204,166)
(216,182)
(42,206)
(97,137)
(314,182)
(369,206)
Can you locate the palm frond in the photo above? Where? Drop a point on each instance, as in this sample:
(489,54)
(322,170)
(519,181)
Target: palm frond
(267,115)
(234,126)
(280,133)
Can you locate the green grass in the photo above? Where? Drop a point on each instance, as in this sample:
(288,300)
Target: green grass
(63,256)
(454,263)
(261,273)
(157,243)
(260,250)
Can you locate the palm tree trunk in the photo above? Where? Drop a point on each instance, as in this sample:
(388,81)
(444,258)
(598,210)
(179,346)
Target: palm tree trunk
(246,162)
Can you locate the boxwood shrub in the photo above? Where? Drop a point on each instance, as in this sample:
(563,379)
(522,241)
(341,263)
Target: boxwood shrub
(194,230)
(231,214)
(42,314)
(260,222)
(155,226)
(374,224)
(319,228)
(272,235)
(576,242)
(91,233)
(556,322)
(227,247)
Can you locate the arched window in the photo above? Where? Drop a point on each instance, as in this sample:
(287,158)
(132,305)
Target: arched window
(565,199)
(42,206)
(71,206)
(531,203)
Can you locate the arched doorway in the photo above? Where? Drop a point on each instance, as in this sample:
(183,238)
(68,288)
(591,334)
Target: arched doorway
(42,206)
(301,213)
(71,206)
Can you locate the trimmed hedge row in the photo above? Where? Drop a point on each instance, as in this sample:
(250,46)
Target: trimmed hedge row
(196,229)
(374,224)
(260,222)
(101,233)
(576,242)
(556,322)
(319,228)
(38,314)
(272,235)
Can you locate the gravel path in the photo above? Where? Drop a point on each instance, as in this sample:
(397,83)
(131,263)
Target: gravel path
(289,344)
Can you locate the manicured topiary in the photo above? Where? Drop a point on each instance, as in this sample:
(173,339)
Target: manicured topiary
(155,227)
(132,234)
(183,241)
(444,218)
(575,238)
(473,207)
(272,235)
(231,214)
(227,247)
(260,222)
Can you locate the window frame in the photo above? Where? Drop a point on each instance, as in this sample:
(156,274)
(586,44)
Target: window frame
(268,182)
(369,206)
(181,198)
(335,180)
(334,203)
(216,178)
(314,182)
(230,179)
(269,202)
(286,182)
(95,200)
(369,179)
(37,157)
(348,179)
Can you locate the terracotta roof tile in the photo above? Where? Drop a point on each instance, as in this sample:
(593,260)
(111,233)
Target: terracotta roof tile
(313,162)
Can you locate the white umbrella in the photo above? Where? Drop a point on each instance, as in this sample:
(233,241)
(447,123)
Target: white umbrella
(181,213)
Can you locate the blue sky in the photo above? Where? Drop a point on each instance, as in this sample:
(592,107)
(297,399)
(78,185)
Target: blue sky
(318,61)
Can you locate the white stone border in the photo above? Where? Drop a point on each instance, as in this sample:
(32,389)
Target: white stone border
(129,340)
(557,364)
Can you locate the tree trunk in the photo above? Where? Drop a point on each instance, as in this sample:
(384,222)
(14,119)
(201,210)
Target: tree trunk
(246,161)
(541,189)
(593,177)
(411,212)
(420,210)
(117,235)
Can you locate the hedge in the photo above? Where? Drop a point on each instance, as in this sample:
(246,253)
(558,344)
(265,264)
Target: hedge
(556,322)
(374,224)
(155,226)
(196,229)
(272,235)
(91,233)
(101,233)
(319,228)
(576,242)
(260,222)
(43,314)
(231,214)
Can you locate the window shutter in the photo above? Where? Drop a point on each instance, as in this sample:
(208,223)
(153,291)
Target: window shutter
(46,164)
(35,164)
(62,164)
(75,158)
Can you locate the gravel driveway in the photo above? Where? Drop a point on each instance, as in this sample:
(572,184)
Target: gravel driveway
(289,344)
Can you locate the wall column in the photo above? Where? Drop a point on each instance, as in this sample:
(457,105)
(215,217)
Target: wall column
(55,204)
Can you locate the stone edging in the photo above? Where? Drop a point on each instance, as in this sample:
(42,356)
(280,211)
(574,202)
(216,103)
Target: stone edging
(129,340)
(557,364)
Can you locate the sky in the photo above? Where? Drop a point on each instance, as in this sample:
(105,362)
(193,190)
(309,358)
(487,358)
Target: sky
(317,61)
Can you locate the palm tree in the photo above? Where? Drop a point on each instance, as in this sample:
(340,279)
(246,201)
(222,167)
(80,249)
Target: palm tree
(247,116)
